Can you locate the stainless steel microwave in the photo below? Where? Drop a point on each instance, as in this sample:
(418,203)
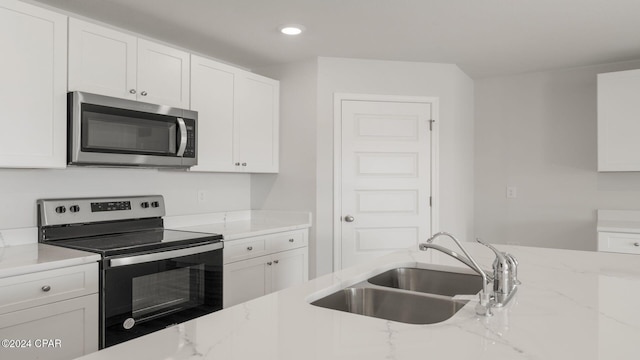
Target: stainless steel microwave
(107,131)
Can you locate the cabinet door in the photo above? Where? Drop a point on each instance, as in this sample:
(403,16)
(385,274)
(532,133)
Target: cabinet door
(163,75)
(289,268)
(33,91)
(212,96)
(61,330)
(257,122)
(101,60)
(618,125)
(244,280)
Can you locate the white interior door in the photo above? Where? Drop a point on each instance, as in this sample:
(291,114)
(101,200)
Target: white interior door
(385,178)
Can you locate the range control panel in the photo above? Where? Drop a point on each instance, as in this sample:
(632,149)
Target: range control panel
(111,206)
(88,210)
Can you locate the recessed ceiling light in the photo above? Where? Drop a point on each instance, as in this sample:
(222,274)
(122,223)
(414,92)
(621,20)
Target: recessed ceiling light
(292,29)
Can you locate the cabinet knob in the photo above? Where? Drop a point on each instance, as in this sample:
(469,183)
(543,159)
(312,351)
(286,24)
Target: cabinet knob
(244,164)
(249,248)
(349,218)
(144,93)
(276,261)
(133,91)
(237,164)
(46,288)
(269,263)
(291,240)
(636,244)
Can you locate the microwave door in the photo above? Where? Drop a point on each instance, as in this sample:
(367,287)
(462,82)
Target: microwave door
(105,131)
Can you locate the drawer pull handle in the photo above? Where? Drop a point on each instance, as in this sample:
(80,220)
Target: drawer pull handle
(276,261)
(636,244)
(291,240)
(46,288)
(269,263)
(249,248)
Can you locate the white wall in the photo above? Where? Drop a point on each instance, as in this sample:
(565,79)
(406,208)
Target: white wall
(537,132)
(455,92)
(293,188)
(20,188)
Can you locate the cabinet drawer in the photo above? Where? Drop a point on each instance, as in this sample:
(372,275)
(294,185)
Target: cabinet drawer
(286,241)
(244,249)
(627,243)
(24,291)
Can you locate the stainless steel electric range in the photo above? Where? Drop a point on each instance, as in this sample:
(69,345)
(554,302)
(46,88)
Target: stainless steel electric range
(150,277)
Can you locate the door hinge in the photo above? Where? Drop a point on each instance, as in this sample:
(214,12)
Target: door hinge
(430,201)
(431,124)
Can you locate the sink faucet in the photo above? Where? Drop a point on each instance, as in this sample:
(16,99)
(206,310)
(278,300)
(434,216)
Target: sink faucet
(504,273)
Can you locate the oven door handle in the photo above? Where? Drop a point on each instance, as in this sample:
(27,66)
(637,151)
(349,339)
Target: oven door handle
(139,259)
(183,137)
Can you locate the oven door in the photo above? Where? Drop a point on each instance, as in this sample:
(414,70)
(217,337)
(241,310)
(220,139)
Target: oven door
(111,131)
(149,292)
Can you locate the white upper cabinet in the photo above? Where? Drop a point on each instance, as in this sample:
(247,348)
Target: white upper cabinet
(108,62)
(163,74)
(238,118)
(619,121)
(257,119)
(33,91)
(212,96)
(101,60)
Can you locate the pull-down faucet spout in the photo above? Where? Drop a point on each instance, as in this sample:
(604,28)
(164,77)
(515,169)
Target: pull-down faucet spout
(484,306)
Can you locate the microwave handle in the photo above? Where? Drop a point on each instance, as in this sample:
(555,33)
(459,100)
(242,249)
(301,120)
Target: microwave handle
(183,137)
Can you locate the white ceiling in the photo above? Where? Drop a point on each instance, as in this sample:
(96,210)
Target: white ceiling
(484,37)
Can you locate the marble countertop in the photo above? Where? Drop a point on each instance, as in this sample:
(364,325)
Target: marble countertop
(237,225)
(29,258)
(571,305)
(20,252)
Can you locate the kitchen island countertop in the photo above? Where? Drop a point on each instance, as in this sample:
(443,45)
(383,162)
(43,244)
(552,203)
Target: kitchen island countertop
(571,305)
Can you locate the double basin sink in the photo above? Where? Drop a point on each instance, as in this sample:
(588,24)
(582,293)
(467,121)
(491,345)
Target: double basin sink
(408,295)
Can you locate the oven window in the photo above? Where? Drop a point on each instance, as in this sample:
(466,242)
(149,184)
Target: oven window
(166,292)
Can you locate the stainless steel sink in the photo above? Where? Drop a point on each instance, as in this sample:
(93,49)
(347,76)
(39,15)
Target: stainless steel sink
(409,295)
(392,305)
(429,281)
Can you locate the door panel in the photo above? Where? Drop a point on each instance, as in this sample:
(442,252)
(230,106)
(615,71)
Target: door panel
(163,75)
(257,123)
(212,96)
(33,92)
(101,60)
(244,280)
(289,268)
(386,172)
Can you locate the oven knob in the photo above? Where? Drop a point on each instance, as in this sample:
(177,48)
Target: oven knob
(155,204)
(74,208)
(145,205)
(61,209)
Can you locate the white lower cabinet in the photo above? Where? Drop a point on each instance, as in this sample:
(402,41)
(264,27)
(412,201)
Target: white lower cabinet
(260,265)
(51,314)
(626,243)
